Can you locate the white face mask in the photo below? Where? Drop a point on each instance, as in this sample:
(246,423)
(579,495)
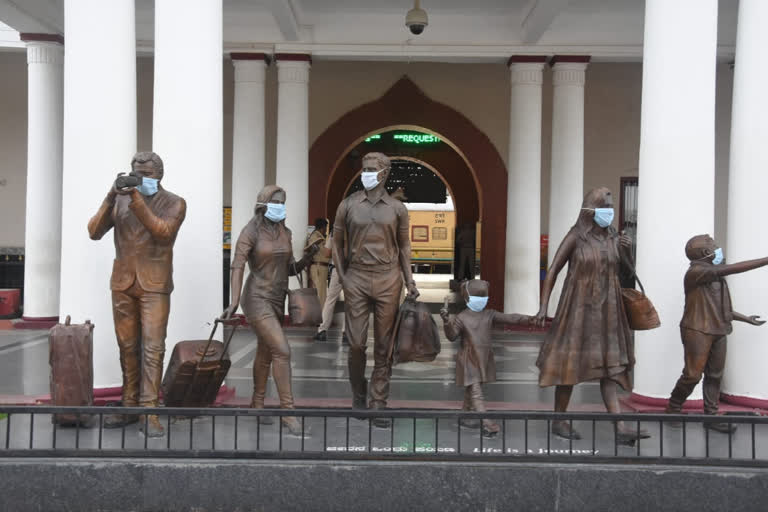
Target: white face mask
(370,179)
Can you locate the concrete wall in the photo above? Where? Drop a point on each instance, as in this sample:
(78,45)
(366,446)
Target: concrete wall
(194,485)
(13,147)
(478,91)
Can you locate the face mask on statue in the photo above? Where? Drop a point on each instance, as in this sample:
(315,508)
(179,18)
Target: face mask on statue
(275,212)
(476,303)
(603,216)
(148,186)
(369,179)
(718,256)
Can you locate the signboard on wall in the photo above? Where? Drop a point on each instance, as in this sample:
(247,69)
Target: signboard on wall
(227,227)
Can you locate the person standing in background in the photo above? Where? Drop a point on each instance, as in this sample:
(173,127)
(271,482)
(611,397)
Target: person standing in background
(318,268)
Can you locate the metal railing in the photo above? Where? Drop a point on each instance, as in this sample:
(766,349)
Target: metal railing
(418,435)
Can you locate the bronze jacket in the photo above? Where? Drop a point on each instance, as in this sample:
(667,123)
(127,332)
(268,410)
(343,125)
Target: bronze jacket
(145,231)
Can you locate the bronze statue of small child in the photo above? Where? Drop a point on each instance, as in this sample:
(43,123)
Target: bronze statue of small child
(706,321)
(475,365)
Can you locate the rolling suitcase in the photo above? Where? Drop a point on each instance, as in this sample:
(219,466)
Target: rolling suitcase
(70,356)
(197,370)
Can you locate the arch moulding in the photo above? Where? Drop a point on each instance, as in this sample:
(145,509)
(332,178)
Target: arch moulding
(405,104)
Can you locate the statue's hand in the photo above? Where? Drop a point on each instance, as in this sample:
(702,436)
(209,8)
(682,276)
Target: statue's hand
(413,292)
(625,241)
(444,314)
(231,309)
(755,320)
(540,319)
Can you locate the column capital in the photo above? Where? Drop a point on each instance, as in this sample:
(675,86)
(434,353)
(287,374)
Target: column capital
(29,37)
(526,59)
(569,71)
(527,71)
(250,70)
(248,56)
(293,57)
(293,67)
(570,59)
(44,53)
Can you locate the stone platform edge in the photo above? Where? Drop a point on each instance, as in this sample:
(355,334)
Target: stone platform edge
(183,484)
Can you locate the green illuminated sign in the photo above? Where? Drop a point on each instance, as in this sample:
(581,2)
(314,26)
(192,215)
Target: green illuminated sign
(408,138)
(416,138)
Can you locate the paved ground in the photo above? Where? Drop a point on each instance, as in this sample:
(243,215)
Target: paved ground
(320,380)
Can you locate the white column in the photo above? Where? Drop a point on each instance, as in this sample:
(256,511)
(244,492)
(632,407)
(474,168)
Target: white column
(45,124)
(522,256)
(248,137)
(745,375)
(567,173)
(293,142)
(677,172)
(187,134)
(99,142)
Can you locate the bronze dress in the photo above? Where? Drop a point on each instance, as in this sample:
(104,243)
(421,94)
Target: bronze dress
(589,338)
(474,360)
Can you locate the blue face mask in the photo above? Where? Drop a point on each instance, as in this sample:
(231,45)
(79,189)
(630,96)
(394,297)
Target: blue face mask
(718,256)
(603,217)
(476,303)
(275,212)
(370,179)
(148,186)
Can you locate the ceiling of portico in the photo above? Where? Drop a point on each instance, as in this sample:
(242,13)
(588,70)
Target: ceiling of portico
(473,30)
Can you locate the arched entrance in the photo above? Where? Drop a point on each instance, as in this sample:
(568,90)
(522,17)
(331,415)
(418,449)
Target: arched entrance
(406,106)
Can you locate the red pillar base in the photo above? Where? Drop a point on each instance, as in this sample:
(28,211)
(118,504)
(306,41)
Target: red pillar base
(27,322)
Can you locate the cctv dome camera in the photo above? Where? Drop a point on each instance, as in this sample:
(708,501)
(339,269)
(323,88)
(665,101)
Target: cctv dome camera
(416,19)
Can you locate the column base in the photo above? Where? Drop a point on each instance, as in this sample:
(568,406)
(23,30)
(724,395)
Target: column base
(36,322)
(744,401)
(642,403)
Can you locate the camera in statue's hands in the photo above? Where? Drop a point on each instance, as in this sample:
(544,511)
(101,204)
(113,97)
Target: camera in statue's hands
(127,181)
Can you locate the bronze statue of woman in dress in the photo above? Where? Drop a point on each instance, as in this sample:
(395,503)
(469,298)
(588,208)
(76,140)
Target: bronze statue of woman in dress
(589,338)
(265,243)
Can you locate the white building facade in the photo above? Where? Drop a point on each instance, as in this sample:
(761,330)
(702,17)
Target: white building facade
(233,95)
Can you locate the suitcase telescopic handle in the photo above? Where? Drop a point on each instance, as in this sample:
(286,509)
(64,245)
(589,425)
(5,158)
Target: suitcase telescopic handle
(234,322)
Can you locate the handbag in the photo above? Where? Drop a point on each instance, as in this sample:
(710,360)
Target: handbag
(416,335)
(641,315)
(304,307)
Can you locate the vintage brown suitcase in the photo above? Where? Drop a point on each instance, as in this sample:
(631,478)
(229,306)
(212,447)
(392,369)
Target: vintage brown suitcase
(416,334)
(304,308)
(197,369)
(70,356)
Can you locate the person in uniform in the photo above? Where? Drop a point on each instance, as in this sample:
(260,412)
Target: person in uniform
(334,292)
(146,219)
(706,321)
(589,338)
(475,365)
(318,268)
(265,244)
(372,249)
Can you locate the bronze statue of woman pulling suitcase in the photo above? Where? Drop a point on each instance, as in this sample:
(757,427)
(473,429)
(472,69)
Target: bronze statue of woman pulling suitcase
(265,243)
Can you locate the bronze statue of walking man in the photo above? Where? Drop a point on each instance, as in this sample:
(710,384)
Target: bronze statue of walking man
(372,248)
(146,219)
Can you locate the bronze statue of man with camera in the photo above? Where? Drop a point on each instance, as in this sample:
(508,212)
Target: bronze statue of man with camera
(146,219)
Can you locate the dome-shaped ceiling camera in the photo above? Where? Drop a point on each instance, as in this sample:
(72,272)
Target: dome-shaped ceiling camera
(416,20)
